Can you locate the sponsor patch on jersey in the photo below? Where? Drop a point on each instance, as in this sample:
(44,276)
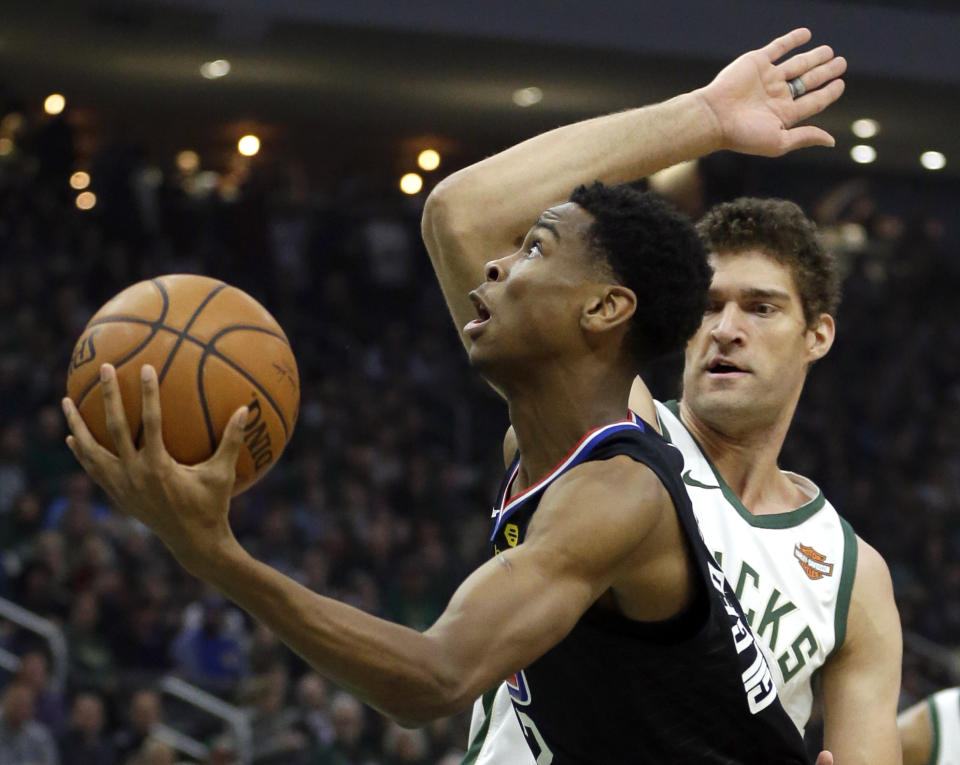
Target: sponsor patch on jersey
(511,533)
(814,564)
(517,686)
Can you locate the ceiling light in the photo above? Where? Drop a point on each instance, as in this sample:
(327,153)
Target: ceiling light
(933,160)
(248,145)
(6,147)
(411,183)
(429,159)
(863,154)
(79,180)
(212,70)
(54,103)
(188,161)
(527,96)
(86,200)
(865,128)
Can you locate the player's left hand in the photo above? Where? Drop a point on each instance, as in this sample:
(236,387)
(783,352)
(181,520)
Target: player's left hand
(753,105)
(186,506)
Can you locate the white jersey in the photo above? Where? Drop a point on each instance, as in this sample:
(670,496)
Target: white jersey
(945,721)
(792,573)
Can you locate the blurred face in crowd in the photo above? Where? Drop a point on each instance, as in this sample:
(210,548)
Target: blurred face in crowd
(87,715)
(144,710)
(18,705)
(746,364)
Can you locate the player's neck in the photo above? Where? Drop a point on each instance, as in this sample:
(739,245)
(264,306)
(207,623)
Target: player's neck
(747,460)
(549,419)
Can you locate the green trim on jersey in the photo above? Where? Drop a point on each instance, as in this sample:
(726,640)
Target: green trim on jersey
(935,729)
(850,553)
(477,744)
(773,521)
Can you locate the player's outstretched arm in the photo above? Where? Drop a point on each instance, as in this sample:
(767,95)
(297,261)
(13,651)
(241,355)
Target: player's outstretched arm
(507,613)
(861,681)
(482,212)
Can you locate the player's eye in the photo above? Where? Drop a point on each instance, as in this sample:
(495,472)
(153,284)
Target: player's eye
(534,251)
(764,309)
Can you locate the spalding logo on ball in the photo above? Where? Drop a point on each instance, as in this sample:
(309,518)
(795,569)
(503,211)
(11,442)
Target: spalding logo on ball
(215,349)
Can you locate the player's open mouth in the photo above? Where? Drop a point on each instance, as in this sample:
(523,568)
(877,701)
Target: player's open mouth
(483,313)
(722,366)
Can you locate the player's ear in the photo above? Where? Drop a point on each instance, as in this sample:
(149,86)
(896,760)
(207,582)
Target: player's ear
(609,306)
(820,336)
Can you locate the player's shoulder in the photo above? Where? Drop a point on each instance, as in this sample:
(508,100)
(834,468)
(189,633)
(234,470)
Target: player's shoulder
(618,489)
(873,575)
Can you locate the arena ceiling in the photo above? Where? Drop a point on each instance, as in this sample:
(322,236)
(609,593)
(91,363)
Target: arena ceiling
(353,83)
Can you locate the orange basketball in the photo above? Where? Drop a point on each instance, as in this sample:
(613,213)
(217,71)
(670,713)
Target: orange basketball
(215,349)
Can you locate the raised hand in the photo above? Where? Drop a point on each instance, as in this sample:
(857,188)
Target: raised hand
(754,107)
(186,506)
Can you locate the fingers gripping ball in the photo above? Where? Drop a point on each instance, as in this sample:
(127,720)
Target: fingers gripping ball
(215,349)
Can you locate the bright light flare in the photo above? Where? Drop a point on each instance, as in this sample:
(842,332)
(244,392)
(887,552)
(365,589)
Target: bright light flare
(933,160)
(411,183)
(214,70)
(54,103)
(524,97)
(429,159)
(249,145)
(86,200)
(79,180)
(863,154)
(865,127)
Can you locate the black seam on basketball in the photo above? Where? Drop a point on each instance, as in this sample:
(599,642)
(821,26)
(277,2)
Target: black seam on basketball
(155,326)
(183,334)
(210,350)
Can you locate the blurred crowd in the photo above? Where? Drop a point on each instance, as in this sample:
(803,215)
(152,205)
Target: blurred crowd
(381,497)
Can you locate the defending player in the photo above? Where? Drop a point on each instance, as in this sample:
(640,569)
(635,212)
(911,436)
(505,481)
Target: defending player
(930,730)
(819,598)
(621,637)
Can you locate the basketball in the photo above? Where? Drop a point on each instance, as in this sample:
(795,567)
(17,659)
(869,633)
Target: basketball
(215,349)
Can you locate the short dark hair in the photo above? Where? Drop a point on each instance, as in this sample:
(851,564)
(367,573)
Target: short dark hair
(653,249)
(779,229)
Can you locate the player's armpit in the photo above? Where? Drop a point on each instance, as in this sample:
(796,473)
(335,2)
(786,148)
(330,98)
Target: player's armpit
(861,680)
(582,541)
(641,402)
(916,733)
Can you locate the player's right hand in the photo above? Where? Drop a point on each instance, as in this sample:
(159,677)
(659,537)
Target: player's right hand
(752,104)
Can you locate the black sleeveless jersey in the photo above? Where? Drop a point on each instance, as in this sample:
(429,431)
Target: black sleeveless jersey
(691,689)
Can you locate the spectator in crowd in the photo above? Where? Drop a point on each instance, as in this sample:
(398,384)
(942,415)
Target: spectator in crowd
(23,740)
(84,742)
(209,652)
(144,715)
(49,707)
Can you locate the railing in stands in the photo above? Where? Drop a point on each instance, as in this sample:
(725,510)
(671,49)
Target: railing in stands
(48,630)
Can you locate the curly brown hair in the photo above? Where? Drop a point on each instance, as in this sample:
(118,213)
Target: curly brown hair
(779,229)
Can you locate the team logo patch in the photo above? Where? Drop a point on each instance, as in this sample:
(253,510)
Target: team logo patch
(517,686)
(814,564)
(511,533)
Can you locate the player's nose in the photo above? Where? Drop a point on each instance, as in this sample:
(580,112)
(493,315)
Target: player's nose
(495,270)
(727,329)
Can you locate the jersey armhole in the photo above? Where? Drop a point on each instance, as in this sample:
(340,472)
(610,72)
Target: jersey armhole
(846,584)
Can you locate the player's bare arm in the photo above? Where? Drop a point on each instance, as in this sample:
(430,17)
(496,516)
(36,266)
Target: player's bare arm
(861,681)
(507,613)
(483,211)
(916,733)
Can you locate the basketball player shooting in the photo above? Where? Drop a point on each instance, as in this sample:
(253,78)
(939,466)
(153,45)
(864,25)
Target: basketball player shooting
(770,317)
(621,640)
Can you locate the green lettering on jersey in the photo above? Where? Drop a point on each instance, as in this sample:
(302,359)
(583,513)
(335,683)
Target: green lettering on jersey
(791,664)
(772,616)
(745,571)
